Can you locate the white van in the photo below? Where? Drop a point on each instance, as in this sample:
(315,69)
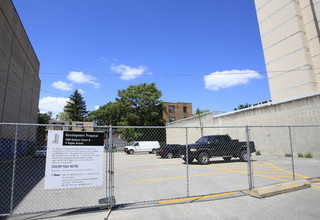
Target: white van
(142,146)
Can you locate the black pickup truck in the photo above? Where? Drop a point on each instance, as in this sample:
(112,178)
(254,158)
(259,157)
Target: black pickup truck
(217,146)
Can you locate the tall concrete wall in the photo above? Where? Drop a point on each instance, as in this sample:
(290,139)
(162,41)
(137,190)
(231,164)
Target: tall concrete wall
(19,74)
(19,69)
(269,138)
(289,32)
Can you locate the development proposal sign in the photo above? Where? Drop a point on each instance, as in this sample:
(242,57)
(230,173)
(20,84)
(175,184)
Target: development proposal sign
(74,159)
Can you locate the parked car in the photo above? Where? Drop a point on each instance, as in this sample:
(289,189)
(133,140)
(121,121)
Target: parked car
(171,151)
(217,146)
(41,152)
(142,146)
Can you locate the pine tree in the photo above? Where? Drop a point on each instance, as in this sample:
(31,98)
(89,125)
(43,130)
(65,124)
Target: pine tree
(76,108)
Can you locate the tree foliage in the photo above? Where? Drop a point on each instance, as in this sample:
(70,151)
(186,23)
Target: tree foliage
(76,108)
(137,105)
(141,106)
(44,118)
(243,106)
(62,116)
(198,112)
(109,114)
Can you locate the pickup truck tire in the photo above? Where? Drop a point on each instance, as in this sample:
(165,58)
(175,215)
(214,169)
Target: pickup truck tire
(227,159)
(130,152)
(243,155)
(203,158)
(154,151)
(169,155)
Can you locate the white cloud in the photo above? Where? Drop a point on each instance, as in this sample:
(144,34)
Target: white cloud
(53,104)
(80,77)
(81,91)
(103,59)
(62,85)
(127,72)
(226,79)
(95,84)
(96,107)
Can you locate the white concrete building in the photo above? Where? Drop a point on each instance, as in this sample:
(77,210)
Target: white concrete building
(290,38)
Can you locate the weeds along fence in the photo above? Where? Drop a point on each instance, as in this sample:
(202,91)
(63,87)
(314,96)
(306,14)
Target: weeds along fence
(36,176)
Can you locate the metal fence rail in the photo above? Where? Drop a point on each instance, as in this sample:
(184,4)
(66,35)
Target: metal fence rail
(180,168)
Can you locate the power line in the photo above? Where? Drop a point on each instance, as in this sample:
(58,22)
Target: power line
(42,90)
(230,72)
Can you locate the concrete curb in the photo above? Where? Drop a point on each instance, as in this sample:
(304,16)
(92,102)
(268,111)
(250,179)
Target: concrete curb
(280,188)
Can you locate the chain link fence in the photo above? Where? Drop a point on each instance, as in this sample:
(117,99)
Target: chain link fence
(142,164)
(22,174)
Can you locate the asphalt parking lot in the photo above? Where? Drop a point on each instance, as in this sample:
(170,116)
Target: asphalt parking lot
(146,177)
(146,184)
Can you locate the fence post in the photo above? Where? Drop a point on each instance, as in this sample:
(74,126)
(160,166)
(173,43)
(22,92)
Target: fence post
(14,169)
(249,159)
(187,161)
(106,152)
(290,136)
(111,199)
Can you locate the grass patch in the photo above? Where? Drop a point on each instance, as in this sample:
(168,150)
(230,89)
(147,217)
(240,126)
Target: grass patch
(287,155)
(308,155)
(300,154)
(258,153)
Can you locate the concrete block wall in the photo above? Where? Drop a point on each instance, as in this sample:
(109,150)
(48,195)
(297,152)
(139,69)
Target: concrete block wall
(19,69)
(269,126)
(19,75)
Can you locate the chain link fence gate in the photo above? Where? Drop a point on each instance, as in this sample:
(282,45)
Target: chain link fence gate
(141,175)
(22,174)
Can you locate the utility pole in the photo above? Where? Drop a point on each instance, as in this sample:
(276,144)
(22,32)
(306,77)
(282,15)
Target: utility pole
(201,128)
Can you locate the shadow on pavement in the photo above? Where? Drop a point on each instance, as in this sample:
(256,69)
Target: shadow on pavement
(28,172)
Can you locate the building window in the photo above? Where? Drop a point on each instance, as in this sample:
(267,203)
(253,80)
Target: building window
(185,109)
(171,119)
(171,109)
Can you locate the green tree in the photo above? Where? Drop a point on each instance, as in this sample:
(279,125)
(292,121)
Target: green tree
(62,116)
(243,106)
(140,105)
(44,118)
(198,112)
(109,114)
(76,108)
(41,133)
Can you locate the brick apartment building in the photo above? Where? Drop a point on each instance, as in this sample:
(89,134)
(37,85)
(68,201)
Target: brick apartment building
(176,111)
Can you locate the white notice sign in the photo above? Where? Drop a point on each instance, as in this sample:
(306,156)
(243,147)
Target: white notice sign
(74,159)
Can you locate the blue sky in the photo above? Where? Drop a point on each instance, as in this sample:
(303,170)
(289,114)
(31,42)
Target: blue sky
(204,52)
